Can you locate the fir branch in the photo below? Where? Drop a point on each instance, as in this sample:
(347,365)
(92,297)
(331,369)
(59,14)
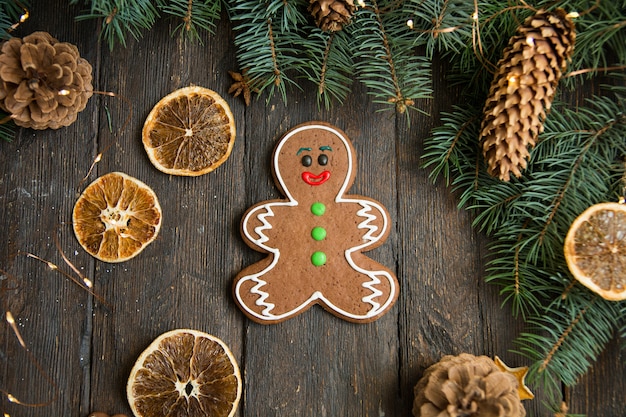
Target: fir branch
(522,284)
(330,70)
(601,38)
(564,343)
(451,148)
(121,18)
(578,162)
(384,48)
(193,15)
(267,42)
(443,26)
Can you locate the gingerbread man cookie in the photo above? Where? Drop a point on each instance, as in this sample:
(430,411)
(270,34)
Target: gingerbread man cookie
(315,237)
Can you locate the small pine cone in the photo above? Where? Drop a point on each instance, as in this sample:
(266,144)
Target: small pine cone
(467,386)
(332,15)
(522,90)
(44,83)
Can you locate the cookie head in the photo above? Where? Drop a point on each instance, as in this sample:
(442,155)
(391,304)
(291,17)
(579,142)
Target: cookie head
(314,160)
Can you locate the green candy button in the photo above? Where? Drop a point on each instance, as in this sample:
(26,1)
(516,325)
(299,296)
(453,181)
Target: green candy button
(318,258)
(318,233)
(318,209)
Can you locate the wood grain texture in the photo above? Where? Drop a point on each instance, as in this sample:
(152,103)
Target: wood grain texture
(311,365)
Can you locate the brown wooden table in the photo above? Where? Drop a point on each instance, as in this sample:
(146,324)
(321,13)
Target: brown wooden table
(312,365)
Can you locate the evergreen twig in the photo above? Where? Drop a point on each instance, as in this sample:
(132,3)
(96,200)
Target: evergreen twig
(121,18)
(565,342)
(193,15)
(266,38)
(331,71)
(386,64)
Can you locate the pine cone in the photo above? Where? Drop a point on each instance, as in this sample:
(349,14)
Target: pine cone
(332,15)
(44,83)
(522,90)
(467,386)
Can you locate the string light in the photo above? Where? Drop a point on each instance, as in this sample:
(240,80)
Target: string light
(530,41)
(23,18)
(64,92)
(409,23)
(83,282)
(50,264)
(11,321)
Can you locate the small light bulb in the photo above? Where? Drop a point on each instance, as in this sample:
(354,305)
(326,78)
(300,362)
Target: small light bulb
(530,41)
(475,16)
(409,23)
(64,92)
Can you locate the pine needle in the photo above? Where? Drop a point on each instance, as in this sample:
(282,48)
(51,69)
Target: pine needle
(193,15)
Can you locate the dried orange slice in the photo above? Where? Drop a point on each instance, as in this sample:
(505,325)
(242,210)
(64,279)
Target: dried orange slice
(595,249)
(185,373)
(116,217)
(191,131)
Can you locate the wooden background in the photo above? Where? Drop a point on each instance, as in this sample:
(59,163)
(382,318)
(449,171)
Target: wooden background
(312,365)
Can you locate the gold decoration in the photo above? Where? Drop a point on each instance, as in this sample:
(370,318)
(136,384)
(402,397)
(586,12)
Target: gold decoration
(522,90)
(520,374)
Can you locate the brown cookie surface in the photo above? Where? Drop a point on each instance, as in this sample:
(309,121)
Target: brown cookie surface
(315,237)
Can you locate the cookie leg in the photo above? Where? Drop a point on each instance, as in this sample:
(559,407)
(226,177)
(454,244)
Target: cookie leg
(362,294)
(265,297)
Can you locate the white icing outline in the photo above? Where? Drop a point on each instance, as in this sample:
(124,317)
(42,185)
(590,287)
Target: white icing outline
(369,238)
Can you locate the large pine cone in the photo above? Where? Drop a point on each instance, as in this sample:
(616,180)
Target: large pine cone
(467,386)
(44,83)
(522,90)
(332,15)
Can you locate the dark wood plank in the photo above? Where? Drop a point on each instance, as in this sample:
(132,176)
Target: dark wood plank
(183,279)
(39,185)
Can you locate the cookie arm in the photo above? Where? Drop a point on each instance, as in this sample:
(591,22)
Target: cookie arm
(374,221)
(255,225)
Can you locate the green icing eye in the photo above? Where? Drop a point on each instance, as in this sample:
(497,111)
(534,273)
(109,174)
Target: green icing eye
(318,209)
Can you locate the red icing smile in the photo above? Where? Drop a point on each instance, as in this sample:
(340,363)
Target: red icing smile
(313,179)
